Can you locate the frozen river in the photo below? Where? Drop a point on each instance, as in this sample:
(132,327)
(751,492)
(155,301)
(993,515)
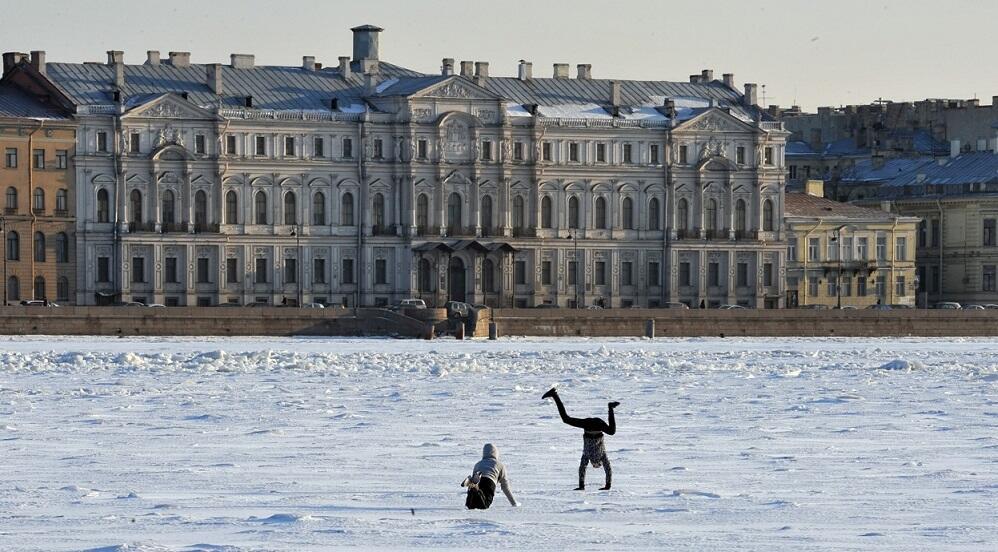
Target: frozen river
(309,444)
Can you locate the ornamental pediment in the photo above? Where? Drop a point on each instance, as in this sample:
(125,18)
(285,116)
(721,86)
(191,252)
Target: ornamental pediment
(168,106)
(716,120)
(456,88)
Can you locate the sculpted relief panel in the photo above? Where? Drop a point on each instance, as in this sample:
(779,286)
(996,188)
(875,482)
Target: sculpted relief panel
(457,142)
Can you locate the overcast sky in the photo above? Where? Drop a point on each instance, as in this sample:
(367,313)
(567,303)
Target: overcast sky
(805,52)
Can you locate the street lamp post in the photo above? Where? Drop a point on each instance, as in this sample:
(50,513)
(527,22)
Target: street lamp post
(295,232)
(838,275)
(574,236)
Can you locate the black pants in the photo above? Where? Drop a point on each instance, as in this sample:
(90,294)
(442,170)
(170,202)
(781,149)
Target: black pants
(586,424)
(481,498)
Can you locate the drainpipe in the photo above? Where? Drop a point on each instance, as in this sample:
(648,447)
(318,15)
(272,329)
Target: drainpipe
(116,159)
(939,207)
(361,204)
(31,210)
(890,282)
(803,249)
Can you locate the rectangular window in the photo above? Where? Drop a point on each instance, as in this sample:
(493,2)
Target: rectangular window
(768,152)
(923,233)
(347,148)
(812,286)
(61,159)
(379,148)
(813,249)
(684,274)
(319,271)
(900,248)
(203,275)
(486,150)
(713,274)
(347,266)
(627,273)
(627,154)
(103,270)
(601,153)
(520,273)
(683,154)
(881,287)
(10,158)
(653,154)
(900,289)
(792,248)
(422,149)
(767,274)
(170,270)
(546,273)
(988,278)
(381,272)
(290,271)
(518,151)
(847,249)
(138,270)
(261,145)
(318,147)
(989,232)
(740,155)
(289,146)
(600,273)
(200,146)
(134,143)
(261,270)
(232,271)
(861,286)
(742,275)
(831,287)
(102,141)
(653,277)
(573,152)
(792,171)
(38,157)
(573,272)
(935,232)
(833,249)
(862,249)
(230,144)
(546,151)
(881,248)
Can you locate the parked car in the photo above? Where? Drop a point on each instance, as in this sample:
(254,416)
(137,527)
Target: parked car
(676,306)
(157,305)
(38,303)
(949,305)
(731,307)
(457,309)
(313,306)
(973,307)
(880,307)
(991,306)
(546,306)
(848,307)
(594,307)
(133,304)
(813,307)
(412,304)
(901,306)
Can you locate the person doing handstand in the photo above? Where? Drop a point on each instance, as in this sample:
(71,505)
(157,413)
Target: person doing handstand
(593,449)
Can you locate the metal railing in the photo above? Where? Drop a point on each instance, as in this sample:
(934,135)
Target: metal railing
(206,228)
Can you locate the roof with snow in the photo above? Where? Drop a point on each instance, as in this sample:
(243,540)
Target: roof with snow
(968,168)
(843,147)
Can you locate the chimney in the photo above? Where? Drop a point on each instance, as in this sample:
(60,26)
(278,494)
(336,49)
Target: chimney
(152,57)
(447,67)
(526,71)
(615,94)
(11,59)
(706,75)
(370,83)
(467,67)
(119,75)
(238,61)
(180,59)
(308,63)
(954,148)
(670,107)
(213,72)
(729,80)
(481,71)
(815,188)
(561,70)
(365,47)
(694,79)
(38,60)
(751,96)
(345,67)
(248,101)
(585,71)
(115,57)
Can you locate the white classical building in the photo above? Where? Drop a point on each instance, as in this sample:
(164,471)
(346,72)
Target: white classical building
(366,183)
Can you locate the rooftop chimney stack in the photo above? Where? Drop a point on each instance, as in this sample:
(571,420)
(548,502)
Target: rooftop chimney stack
(585,71)
(481,72)
(238,61)
(180,59)
(729,80)
(11,59)
(213,72)
(615,94)
(670,107)
(152,57)
(954,148)
(115,57)
(694,79)
(526,71)
(365,48)
(38,60)
(561,70)
(308,63)
(706,75)
(467,69)
(751,96)
(447,67)
(345,67)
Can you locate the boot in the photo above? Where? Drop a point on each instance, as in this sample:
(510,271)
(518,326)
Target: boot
(614,404)
(551,392)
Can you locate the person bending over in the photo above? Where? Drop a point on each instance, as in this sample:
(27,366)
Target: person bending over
(481,483)
(593,449)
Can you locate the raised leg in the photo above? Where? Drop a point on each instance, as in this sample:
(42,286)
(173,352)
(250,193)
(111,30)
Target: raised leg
(613,423)
(574,422)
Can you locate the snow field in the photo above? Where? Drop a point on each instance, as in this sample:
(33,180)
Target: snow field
(292,444)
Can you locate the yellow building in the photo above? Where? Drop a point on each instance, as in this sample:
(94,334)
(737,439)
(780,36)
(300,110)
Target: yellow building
(38,222)
(870,252)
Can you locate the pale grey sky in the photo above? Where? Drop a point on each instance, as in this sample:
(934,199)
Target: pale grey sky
(813,53)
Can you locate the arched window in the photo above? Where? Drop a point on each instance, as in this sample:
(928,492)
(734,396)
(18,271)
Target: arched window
(710,216)
(627,214)
(61,248)
(453,212)
(319,209)
(136,206)
(13,246)
(346,210)
(518,212)
(422,213)
(169,207)
(424,276)
(546,214)
(12,198)
(599,216)
(653,215)
(260,207)
(573,212)
(740,215)
(13,289)
(487,215)
(39,287)
(290,208)
(62,289)
(488,276)
(379,211)
(39,247)
(62,200)
(103,207)
(767,216)
(201,208)
(682,215)
(231,207)
(39,200)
